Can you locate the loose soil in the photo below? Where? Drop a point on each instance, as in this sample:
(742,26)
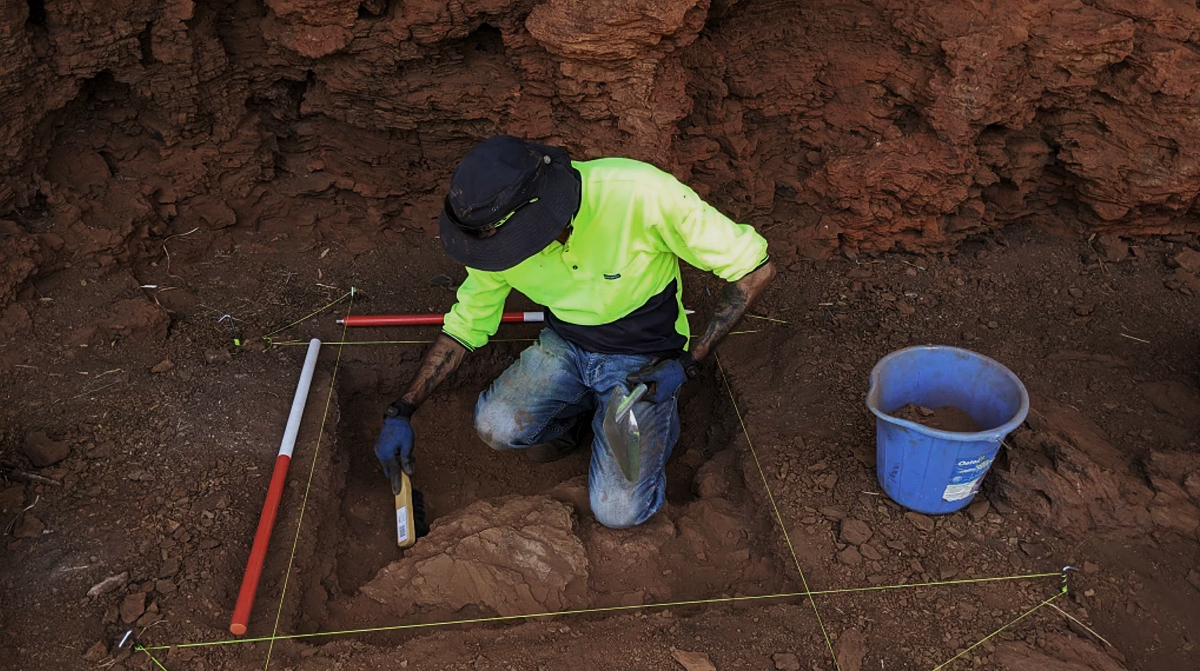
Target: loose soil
(945,418)
(170,433)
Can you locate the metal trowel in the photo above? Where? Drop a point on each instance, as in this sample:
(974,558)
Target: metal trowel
(621,430)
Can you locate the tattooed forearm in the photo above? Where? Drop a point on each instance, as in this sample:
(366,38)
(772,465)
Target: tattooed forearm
(442,359)
(731,305)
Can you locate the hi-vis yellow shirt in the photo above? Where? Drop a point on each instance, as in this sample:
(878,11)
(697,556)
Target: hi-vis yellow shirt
(634,224)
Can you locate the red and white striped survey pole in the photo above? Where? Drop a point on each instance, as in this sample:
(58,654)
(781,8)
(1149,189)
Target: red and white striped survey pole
(434,319)
(262,537)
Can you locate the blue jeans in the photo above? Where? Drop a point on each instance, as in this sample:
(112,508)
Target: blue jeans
(542,395)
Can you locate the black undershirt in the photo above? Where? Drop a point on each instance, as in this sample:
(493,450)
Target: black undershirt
(650,329)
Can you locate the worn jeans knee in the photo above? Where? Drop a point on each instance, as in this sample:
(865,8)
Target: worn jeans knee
(495,422)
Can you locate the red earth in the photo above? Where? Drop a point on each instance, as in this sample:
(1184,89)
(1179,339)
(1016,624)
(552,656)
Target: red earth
(170,432)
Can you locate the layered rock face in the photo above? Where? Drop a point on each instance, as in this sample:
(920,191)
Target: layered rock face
(836,125)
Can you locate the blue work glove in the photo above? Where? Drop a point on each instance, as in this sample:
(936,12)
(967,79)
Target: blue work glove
(662,379)
(395,445)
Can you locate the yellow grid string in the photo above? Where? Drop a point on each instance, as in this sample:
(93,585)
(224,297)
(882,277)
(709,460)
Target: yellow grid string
(807,593)
(778,515)
(308,487)
(314,313)
(1020,617)
(609,609)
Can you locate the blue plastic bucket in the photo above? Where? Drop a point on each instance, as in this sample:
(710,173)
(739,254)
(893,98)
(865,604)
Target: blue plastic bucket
(930,470)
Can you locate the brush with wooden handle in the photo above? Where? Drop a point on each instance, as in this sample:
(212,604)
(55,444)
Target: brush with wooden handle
(410,513)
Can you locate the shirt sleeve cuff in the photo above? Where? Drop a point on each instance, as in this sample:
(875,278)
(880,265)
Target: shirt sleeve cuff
(458,340)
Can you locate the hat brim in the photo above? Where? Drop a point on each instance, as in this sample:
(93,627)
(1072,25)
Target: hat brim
(527,232)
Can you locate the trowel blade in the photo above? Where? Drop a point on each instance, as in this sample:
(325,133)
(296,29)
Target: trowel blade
(621,430)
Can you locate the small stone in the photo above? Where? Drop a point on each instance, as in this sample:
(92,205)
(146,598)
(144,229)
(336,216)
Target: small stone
(29,527)
(1033,550)
(833,513)
(164,586)
(1193,577)
(132,607)
(1075,292)
(920,521)
(870,552)
(786,661)
(109,584)
(1113,248)
(855,532)
(169,568)
(97,652)
(993,324)
(44,451)
(1189,260)
(693,661)
(163,366)
(1084,309)
(1090,567)
(217,355)
(978,510)
(850,556)
(209,543)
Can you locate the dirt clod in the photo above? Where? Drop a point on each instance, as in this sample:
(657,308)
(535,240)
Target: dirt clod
(133,606)
(851,648)
(786,661)
(97,652)
(44,451)
(850,556)
(29,527)
(855,532)
(693,661)
(920,521)
(945,418)
(1193,577)
(1189,260)
(978,510)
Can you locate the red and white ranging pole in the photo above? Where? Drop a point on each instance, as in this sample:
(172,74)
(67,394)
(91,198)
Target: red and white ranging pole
(266,521)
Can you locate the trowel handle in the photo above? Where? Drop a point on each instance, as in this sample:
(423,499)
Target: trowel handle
(626,405)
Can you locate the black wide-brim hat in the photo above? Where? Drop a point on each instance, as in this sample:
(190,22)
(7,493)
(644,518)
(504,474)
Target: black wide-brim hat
(508,199)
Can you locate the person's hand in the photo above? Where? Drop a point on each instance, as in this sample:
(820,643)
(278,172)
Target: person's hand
(394,448)
(662,379)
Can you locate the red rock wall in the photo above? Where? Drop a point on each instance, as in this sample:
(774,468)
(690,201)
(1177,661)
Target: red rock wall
(851,125)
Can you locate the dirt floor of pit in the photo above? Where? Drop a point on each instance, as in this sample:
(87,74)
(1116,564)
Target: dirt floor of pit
(170,439)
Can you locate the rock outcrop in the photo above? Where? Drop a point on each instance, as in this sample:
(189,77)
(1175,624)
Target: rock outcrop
(860,125)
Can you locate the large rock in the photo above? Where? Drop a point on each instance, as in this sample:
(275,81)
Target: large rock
(935,123)
(508,556)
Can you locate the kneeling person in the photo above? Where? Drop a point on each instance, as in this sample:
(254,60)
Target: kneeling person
(598,243)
